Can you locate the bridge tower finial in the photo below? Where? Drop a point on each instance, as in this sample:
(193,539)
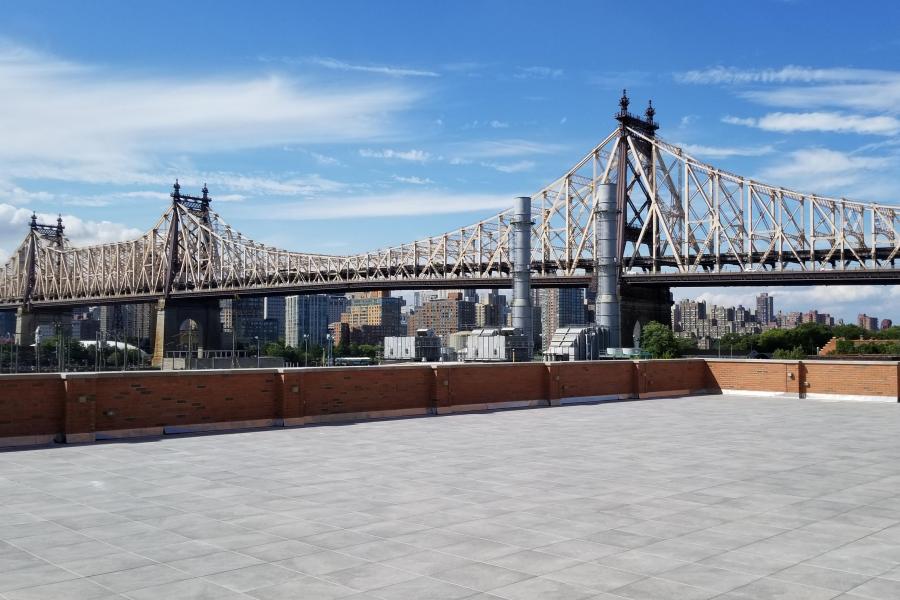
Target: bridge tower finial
(624,102)
(650,112)
(34,220)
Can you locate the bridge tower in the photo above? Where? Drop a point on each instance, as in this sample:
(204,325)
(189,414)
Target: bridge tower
(27,319)
(171,314)
(638,305)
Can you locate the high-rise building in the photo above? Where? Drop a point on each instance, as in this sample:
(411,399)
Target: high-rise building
(866,322)
(765,309)
(372,316)
(692,312)
(337,305)
(791,320)
(248,322)
(7,323)
(444,316)
(306,315)
(488,310)
(560,307)
(273,311)
(136,322)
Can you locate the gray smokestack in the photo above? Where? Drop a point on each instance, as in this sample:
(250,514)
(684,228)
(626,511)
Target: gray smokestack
(608,264)
(521,254)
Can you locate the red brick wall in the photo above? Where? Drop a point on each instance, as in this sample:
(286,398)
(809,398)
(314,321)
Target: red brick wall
(663,376)
(855,379)
(31,405)
(754,375)
(585,379)
(489,383)
(78,405)
(333,391)
(135,401)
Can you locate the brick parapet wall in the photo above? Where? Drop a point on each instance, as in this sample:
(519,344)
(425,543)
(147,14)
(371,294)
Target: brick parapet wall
(77,407)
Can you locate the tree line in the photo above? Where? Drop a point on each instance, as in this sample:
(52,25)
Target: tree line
(803,340)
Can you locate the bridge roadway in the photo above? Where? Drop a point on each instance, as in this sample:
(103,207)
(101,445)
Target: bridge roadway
(664,279)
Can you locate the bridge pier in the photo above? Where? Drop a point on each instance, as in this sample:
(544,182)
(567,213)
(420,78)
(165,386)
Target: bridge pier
(640,305)
(171,315)
(27,321)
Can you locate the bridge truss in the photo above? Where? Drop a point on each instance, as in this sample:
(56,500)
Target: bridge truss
(681,222)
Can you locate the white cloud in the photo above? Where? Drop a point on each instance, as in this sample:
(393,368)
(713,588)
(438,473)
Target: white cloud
(563,120)
(726,151)
(879,97)
(410,155)
(787,74)
(74,122)
(537,73)
(393,71)
(413,180)
(14,222)
(306,185)
(386,205)
(822,170)
(746,122)
(821,121)
(503,149)
(806,88)
(515,167)
(324,160)
(499,124)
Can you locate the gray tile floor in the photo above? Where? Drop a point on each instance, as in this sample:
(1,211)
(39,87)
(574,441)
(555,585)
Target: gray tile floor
(688,498)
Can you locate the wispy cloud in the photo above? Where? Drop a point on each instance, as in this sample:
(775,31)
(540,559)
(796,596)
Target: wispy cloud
(495,124)
(807,88)
(821,121)
(81,123)
(537,72)
(787,74)
(726,151)
(392,71)
(515,167)
(503,148)
(413,180)
(389,205)
(410,155)
(821,170)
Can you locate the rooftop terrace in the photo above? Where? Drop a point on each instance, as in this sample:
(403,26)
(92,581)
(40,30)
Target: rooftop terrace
(728,497)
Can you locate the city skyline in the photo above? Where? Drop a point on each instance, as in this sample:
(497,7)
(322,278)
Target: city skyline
(353,141)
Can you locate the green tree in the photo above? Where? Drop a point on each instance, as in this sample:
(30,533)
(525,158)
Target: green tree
(891,333)
(850,332)
(795,353)
(659,341)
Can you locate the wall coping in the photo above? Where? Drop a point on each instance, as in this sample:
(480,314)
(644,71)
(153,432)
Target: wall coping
(805,361)
(408,366)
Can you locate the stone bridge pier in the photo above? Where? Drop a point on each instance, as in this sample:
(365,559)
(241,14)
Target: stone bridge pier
(27,321)
(175,317)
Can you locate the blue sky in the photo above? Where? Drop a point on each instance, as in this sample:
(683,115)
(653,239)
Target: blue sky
(344,126)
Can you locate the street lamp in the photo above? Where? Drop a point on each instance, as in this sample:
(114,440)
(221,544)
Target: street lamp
(256,337)
(328,339)
(306,351)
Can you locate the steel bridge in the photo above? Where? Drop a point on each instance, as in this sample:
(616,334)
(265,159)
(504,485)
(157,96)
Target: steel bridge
(681,222)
